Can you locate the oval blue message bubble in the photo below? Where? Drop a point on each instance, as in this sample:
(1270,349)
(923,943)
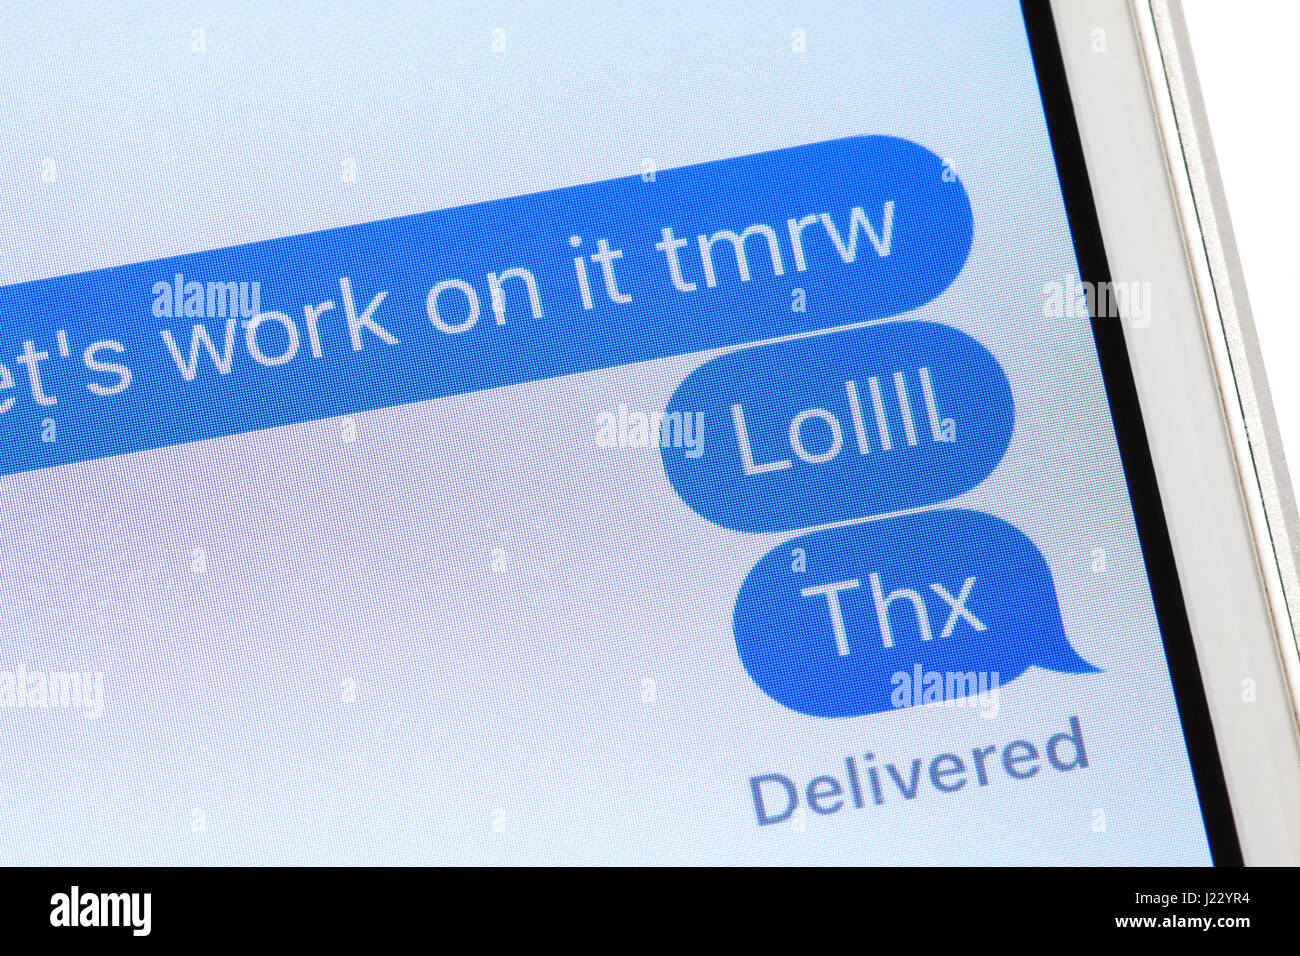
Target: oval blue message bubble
(839,426)
(476,297)
(884,605)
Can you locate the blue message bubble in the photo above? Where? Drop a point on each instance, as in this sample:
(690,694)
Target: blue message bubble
(849,621)
(476,297)
(840,426)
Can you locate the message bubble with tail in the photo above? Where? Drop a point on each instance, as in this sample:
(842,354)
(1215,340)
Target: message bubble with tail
(840,426)
(837,622)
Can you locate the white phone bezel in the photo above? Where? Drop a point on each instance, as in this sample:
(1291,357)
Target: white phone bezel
(1222,478)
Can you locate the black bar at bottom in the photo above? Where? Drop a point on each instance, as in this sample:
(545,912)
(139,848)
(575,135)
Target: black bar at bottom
(373,905)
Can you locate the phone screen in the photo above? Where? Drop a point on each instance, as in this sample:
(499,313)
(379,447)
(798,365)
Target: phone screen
(519,434)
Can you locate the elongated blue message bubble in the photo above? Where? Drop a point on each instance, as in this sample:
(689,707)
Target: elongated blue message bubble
(875,617)
(448,302)
(839,426)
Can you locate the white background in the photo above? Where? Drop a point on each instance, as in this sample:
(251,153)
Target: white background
(1246,55)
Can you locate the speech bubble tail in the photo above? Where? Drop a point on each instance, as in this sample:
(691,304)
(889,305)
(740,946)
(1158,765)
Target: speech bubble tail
(1068,661)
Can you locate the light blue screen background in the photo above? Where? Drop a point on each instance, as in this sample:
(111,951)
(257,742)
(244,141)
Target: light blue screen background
(504,714)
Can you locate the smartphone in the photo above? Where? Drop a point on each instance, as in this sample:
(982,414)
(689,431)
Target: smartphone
(659,433)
